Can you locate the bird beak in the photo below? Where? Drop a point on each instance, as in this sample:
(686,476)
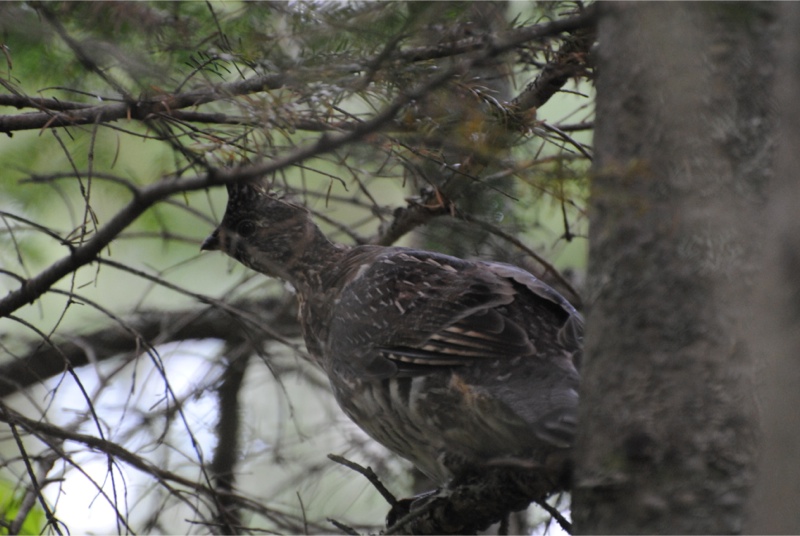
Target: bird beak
(212,242)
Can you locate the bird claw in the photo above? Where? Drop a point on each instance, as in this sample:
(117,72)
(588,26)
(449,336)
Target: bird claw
(403,507)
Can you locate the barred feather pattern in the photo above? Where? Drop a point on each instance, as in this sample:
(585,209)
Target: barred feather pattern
(459,366)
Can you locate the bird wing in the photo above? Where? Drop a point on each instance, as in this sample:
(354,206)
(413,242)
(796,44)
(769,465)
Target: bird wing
(405,311)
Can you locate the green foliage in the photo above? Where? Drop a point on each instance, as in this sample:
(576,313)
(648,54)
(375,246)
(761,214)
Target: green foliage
(10,502)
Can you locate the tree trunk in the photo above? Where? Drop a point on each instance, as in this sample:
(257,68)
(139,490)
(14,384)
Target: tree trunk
(668,425)
(776,329)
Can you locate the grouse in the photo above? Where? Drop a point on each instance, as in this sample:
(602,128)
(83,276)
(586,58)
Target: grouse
(460,366)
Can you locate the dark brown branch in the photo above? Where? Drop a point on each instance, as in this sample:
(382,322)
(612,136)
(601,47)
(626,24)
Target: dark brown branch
(473,506)
(140,110)
(226,453)
(408,218)
(575,127)
(369,474)
(153,327)
(24,101)
(344,528)
(569,61)
(504,41)
(569,139)
(38,427)
(555,514)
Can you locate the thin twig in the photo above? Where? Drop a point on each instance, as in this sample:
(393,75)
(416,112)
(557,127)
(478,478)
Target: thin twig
(369,474)
(344,528)
(303,512)
(566,137)
(560,519)
(51,518)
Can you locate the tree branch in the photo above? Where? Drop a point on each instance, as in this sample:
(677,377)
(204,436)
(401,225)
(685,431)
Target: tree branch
(154,327)
(369,474)
(474,506)
(63,114)
(165,104)
(506,40)
(226,452)
(569,61)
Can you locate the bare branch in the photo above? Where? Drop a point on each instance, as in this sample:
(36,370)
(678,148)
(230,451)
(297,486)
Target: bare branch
(369,474)
(51,519)
(226,453)
(75,114)
(154,327)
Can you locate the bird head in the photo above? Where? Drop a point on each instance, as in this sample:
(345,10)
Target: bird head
(262,231)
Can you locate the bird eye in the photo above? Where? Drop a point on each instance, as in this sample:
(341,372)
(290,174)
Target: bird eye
(245,228)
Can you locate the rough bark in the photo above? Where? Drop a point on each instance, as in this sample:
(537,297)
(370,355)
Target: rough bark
(776,330)
(667,433)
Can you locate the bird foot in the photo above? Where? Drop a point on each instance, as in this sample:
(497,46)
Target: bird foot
(403,507)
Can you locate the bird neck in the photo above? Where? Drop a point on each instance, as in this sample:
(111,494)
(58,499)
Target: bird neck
(315,256)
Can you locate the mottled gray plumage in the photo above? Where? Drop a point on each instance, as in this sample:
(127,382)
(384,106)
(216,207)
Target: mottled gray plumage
(456,365)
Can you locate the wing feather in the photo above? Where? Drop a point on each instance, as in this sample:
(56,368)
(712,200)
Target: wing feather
(443,311)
